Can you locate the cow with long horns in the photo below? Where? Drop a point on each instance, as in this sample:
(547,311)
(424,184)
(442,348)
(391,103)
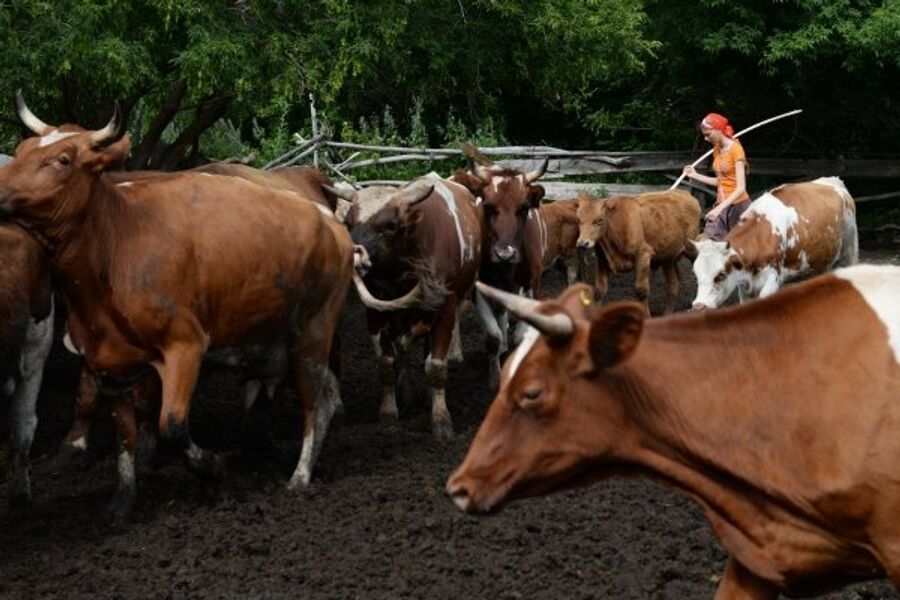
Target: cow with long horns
(422,245)
(512,255)
(795,466)
(156,271)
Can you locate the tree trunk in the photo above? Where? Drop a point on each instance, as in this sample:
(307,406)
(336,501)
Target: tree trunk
(208,113)
(140,156)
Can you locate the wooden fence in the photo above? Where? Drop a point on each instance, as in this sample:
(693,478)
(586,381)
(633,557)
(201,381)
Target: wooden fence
(568,163)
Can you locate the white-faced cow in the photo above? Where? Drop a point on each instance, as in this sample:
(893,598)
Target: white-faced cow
(640,233)
(26,334)
(512,253)
(423,247)
(156,271)
(788,442)
(792,231)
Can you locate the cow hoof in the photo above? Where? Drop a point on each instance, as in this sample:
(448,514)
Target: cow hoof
(442,430)
(209,466)
(389,416)
(69,458)
(297,485)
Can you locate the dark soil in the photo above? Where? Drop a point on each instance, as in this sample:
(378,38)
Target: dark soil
(375,523)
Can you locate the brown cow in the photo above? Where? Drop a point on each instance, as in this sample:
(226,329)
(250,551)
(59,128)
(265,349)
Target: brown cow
(560,229)
(788,442)
(792,231)
(26,335)
(423,244)
(512,257)
(309,182)
(639,233)
(155,271)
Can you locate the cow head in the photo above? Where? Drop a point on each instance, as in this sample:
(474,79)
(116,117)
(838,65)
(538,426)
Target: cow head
(506,197)
(535,437)
(591,220)
(382,219)
(719,270)
(53,172)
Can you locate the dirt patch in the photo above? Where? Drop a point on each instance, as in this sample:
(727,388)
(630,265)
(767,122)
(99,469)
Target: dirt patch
(375,523)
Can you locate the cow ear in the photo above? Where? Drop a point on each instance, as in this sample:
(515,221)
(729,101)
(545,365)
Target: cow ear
(736,262)
(535,195)
(615,333)
(108,157)
(469,181)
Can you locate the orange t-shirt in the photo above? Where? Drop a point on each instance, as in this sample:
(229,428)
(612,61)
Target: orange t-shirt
(723,165)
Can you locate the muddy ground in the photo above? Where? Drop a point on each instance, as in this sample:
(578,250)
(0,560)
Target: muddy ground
(375,524)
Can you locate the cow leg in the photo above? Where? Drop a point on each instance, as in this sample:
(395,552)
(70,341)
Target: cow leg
(317,387)
(770,285)
(387,375)
(740,584)
(495,337)
(455,354)
(601,282)
(436,370)
(127,436)
(38,339)
(670,271)
(178,372)
(85,408)
(642,278)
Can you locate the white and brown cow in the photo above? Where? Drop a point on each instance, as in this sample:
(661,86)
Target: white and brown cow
(513,241)
(789,444)
(422,250)
(640,233)
(792,231)
(26,334)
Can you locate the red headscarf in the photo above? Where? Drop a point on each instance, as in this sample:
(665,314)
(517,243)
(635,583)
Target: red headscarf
(719,123)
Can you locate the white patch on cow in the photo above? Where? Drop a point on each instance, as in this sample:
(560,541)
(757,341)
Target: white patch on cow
(835,183)
(80,443)
(54,136)
(466,252)
(373,199)
(542,224)
(522,350)
(376,343)
(495,183)
(126,470)
(125,184)
(325,210)
(879,285)
(782,217)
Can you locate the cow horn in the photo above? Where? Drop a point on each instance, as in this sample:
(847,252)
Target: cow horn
(533,176)
(111,132)
(483,173)
(31,122)
(414,194)
(558,325)
(347,195)
(408,300)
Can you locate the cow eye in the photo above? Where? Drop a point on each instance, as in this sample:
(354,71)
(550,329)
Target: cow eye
(63,159)
(719,278)
(531,395)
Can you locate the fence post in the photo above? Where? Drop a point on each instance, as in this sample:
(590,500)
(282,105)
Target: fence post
(315,129)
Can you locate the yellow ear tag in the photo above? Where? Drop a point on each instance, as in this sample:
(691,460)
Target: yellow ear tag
(586,299)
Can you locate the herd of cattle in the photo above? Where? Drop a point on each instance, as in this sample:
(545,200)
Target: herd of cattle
(778,416)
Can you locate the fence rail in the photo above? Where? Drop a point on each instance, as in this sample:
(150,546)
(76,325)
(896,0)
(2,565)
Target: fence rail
(568,163)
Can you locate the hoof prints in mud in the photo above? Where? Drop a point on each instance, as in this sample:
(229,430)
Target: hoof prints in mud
(374,524)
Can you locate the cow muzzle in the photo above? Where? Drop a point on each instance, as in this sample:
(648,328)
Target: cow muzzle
(585,244)
(505,253)
(697,306)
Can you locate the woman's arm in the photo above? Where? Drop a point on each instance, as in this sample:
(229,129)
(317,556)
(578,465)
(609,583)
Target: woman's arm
(740,186)
(691,173)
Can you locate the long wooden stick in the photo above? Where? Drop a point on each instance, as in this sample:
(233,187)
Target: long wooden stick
(738,134)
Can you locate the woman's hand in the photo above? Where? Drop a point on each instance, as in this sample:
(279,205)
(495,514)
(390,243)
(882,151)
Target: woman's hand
(689,171)
(714,212)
